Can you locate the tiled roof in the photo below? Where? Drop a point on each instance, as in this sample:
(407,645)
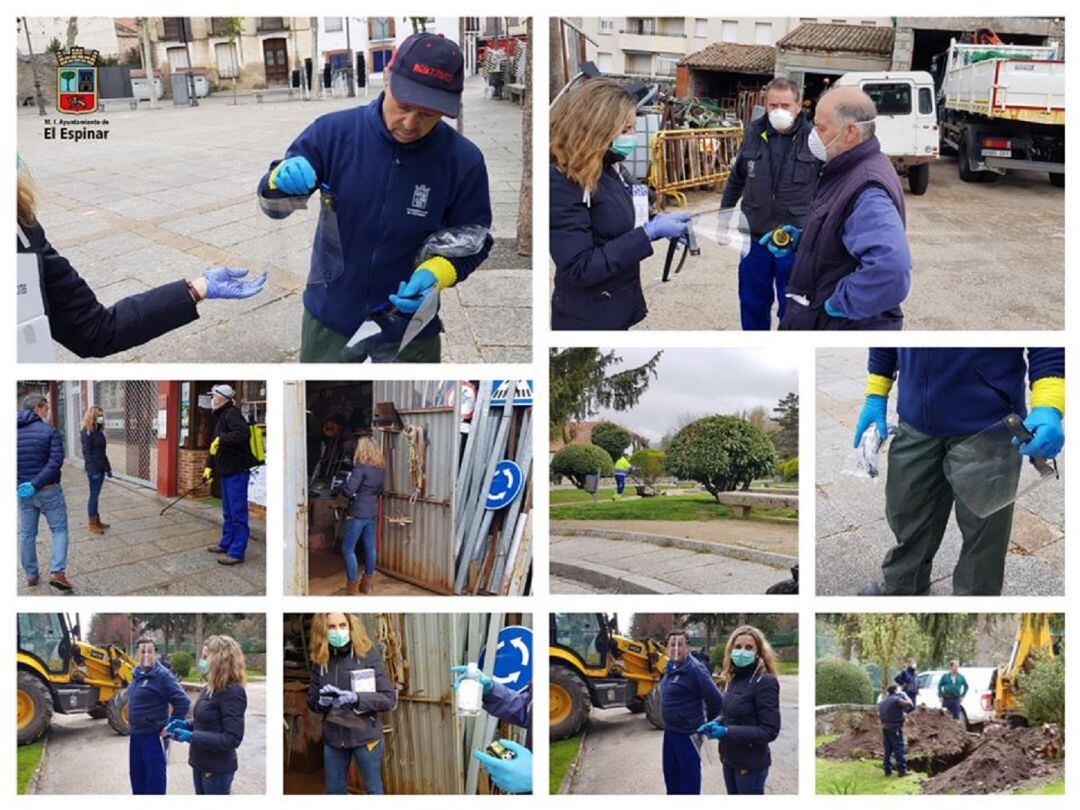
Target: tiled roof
(731,56)
(836,38)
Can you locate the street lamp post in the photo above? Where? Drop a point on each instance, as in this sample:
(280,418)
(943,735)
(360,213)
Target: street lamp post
(38,96)
(193,99)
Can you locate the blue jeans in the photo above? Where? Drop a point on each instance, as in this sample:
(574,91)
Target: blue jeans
(952,706)
(359,529)
(892,740)
(96,480)
(49,501)
(741,782)
(146,764)
(682,765)
(234,508)
(336,767)
(212,784)
(759,273)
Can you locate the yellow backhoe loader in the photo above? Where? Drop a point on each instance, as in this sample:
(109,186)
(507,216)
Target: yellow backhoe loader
(57,672)
(1034,639)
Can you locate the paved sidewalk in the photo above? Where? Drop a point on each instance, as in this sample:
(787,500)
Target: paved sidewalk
(852,533)
(144,553)
(172,191)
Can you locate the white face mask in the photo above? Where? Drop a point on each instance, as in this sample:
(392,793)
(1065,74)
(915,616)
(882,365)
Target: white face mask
(819,149)
(781,119)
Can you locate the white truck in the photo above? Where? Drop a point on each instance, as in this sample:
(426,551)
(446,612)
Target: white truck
(1002,107)
(906,125)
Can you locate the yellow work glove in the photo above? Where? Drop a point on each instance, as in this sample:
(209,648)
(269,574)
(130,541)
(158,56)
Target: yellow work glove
(207,474)
(214,446)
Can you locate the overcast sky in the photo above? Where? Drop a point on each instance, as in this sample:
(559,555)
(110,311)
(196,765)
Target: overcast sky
(705,382)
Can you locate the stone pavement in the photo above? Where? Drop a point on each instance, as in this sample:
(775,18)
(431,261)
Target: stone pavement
(142,552)
(623,565)
(172,191)
(852,533)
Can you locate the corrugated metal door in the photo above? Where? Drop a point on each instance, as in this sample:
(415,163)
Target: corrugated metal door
(295,471)
(418,528)
(130,408)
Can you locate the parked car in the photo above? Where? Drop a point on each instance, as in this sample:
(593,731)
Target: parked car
(977,707)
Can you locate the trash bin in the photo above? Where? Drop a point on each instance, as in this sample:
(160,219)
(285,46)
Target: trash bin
(181,89)
(592,483)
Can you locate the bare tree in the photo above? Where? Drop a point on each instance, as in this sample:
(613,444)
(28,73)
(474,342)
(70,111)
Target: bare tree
(524,221)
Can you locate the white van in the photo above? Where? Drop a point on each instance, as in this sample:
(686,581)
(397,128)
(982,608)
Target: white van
(907,123)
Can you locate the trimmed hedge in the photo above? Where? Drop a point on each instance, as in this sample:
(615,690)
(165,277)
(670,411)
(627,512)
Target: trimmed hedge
(575,461)
(840,681)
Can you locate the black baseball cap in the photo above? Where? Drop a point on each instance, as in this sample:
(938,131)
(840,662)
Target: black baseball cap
(428,70)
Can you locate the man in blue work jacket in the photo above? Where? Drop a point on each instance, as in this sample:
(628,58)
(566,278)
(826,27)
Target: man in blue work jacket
(154,697)
(945,397)
(775,174)
(391,174)
(852,263)
(688,698)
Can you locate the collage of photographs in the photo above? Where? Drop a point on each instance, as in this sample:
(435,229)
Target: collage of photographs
(204,205)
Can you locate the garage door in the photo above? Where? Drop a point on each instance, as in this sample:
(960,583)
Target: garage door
(130,408)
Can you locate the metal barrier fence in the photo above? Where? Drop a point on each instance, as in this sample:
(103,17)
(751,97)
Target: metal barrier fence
(691,158)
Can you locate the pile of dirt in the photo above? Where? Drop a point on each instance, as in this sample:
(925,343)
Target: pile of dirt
(935,740)
(1001,759)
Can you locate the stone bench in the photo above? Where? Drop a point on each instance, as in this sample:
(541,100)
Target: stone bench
(515,91)
(742,502)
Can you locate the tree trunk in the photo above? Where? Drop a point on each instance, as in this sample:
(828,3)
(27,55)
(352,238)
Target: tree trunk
(524,222)
(557,77)
(199,617)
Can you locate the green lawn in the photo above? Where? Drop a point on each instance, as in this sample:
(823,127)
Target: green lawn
(697,508)
(28,758)
(560,755)
(254,673)
(1055,788)
(862,777)
(788,667)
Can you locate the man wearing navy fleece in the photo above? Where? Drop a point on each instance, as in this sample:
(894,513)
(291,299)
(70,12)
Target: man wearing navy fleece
(944,397)
(853,265)
(394,173)
(153,692)
(688,697)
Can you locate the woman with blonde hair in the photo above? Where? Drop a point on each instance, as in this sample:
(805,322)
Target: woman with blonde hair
(349,687)
(600,230)
(95,463)
(77,320)
(750,712)
(364,487)
(217,725)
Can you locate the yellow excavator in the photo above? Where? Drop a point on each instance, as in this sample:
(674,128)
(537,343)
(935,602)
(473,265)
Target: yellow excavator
(592,665)
(57,672)
(1034,639)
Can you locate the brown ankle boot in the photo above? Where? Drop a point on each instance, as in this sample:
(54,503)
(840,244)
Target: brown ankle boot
(366,584)
(352,588)
(101,524)
(94,525)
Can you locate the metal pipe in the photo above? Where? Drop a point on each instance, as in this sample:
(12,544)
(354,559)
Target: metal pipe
(524,461)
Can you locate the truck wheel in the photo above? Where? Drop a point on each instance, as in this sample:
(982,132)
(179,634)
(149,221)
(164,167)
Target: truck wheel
(963,164)
(568,703)
(1057,180)
(918,178)
(116,712)
(652,708)
(35,708)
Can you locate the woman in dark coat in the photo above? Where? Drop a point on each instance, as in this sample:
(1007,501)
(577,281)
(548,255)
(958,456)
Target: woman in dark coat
(349,687)
(95,463)
(364,487)
(600,229)
(750,714)
(83,325)
(217,725)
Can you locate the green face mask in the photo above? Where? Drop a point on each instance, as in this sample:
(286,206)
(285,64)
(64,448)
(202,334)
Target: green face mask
(623,145)
(337,638)
(742,658)
(203,666)
(100,420)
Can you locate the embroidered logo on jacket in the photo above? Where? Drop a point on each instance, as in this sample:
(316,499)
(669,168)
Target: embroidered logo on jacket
(418,207)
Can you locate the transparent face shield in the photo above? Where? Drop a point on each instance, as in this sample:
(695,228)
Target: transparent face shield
(987,471)
(327,258)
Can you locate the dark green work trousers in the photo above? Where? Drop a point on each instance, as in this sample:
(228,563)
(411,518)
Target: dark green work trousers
(918,501)
(321,344)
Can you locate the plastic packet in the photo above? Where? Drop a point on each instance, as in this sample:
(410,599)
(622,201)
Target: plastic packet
(462,240)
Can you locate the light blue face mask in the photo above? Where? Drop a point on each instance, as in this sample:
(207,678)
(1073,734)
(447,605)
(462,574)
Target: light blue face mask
(743,658)
(623,145)
(203,666)
(100,420)
(337,638)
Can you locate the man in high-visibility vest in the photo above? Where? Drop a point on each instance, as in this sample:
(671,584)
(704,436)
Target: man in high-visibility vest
(622,469)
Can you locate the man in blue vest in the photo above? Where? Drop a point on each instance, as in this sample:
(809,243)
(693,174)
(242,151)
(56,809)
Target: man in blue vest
(391,174)
(775,174)
(852,263)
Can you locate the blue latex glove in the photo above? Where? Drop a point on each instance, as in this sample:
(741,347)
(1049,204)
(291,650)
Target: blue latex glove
(225,282)
(776,250)
(461,673)
(713,730)
(512,775)
(1045,423)
(177,724)
(345,698)
(109,474)
(294,176)
(667,226)
(832,310)
(26,490)
(182,735)
(873,413)
(411,294)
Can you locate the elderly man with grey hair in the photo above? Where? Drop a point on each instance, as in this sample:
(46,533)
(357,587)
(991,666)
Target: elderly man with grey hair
(853,264)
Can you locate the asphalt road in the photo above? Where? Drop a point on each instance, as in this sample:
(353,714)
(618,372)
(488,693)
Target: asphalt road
(621,753)
(85,756)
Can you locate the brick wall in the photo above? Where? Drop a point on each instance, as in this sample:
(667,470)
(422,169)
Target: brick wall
(189,472)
